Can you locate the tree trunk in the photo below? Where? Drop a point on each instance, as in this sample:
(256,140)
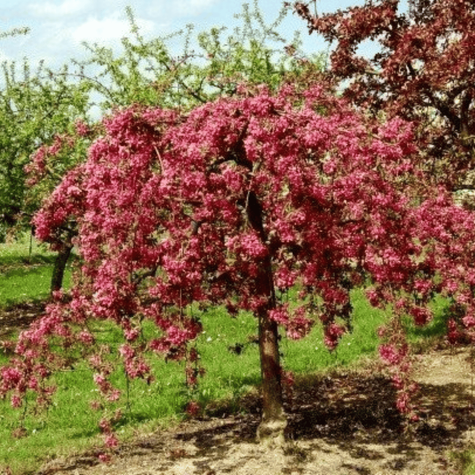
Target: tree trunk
(271,429)
(59,266)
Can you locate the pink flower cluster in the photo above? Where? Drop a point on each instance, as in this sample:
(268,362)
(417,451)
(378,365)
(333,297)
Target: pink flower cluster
(333,333)
(391,355)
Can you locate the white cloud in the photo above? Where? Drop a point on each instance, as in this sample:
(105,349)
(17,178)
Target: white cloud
(106,30)
(181,8)
(199,3)
(66,8)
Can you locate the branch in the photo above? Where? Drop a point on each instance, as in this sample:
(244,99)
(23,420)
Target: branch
(183,84)
(464,114)
(445,110)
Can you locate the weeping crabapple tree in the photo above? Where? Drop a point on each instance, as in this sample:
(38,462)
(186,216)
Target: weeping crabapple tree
(235,203)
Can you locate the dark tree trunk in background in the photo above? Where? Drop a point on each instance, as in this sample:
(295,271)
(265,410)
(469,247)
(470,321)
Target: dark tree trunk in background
(59,266)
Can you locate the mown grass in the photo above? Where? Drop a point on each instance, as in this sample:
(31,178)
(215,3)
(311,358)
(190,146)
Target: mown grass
(71,426)
(25,272)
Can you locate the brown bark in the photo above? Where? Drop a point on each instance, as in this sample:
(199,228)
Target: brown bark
(273,417)
(59,267)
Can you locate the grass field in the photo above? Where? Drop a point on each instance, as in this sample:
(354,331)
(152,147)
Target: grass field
(70,425)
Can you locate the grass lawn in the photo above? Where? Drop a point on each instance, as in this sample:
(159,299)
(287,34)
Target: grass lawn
(25,272)
(71,426)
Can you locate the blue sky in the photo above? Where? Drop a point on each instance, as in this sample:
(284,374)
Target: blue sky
(58,27)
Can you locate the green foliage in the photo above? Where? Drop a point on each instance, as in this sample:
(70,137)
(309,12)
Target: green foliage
(212,65)
(34,108)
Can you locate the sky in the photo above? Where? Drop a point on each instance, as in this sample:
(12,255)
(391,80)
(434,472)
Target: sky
(58,27)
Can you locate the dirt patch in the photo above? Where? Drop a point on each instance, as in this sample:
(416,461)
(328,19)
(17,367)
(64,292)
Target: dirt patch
(342,423)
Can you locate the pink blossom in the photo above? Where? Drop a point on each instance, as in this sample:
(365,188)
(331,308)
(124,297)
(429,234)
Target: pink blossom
(333,333)
(114,395)
(392,355)
(86,337)
(280,315)
(402,403)
(232,203)
(193,408)
(105,426)
(373,297)
(16,400)
(131,334)
(423,286)
(81,128)
(469,321)
(127,351)
(285,278)
(421,315)
(111,441)
(11,376)
(104,458)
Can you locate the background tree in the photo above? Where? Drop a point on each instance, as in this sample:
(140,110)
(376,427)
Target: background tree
(5,34)
(45,170)
(236,202)
(423,70)
(208,66)
(37,112)
(34,108)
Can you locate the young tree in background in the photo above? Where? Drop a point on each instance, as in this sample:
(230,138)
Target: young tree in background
(37,112)
(423,71)
(210,65)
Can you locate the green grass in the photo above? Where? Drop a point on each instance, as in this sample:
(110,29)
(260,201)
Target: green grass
(25,276)
(71,426)
(464,460)
(18,253)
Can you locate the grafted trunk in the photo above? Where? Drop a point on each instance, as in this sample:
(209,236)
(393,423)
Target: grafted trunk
(59,266)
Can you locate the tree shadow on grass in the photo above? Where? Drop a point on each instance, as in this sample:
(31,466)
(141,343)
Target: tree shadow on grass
(8,261)
(19,316)
(350,415)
